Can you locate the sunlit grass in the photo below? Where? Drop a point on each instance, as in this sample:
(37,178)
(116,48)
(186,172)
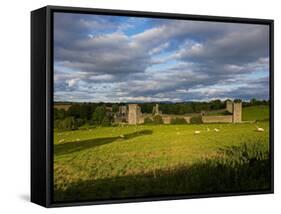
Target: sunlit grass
(100,159)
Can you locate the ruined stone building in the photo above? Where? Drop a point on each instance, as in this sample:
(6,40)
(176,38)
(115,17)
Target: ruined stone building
(132,114)
(235,108)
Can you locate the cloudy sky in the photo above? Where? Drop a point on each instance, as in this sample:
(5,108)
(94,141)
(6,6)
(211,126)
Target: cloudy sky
(130,59)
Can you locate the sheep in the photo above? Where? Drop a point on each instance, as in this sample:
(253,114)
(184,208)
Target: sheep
(60,141)
(122,136)
(216,130)
(77,139)
(259,129)
(197,132)
(208,129)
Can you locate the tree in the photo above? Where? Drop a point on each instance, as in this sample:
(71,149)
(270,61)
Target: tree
(216,104)
(99,115)
(74,110)
(115,108)
(85,112)
(253,101)
(59,114)
(237,101)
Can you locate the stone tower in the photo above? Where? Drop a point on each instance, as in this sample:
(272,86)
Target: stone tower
(229,106)
(237,112)
(134,114)
(155,110)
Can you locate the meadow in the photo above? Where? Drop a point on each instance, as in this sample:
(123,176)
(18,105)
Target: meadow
(152,160)
(259,113)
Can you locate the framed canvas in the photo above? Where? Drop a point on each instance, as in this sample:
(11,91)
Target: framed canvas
(133,106)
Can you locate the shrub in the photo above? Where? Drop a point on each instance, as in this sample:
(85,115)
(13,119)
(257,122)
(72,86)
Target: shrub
(196,120)
(178,120)
(157,119)
(148,120)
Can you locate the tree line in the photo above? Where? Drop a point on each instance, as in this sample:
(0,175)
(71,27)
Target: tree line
(79,114)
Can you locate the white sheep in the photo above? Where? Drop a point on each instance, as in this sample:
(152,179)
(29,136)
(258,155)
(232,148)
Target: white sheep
(77,139)
(259,129)
(197,132)
(60,141)
(216,130)
(208,129)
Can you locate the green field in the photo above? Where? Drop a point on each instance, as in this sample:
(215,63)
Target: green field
(146,160)
(255,113)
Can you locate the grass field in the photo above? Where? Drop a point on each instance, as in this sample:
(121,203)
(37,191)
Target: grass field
(136,161)
(256,113)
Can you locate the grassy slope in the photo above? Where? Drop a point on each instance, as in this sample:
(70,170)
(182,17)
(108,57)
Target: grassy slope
(95,155)
(255,113)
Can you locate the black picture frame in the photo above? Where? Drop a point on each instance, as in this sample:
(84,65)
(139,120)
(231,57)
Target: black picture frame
(42,101)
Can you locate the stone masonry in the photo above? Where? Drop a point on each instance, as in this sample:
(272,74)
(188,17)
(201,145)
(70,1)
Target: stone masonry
(134,114)
(237,112)
(229,106)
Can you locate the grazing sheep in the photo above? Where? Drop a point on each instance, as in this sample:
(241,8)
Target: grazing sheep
(197,132)
(77,139)
(216,130)
(60,141)
(122,136)
(208,129)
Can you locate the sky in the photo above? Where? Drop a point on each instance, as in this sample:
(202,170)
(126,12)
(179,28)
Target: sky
(100,58)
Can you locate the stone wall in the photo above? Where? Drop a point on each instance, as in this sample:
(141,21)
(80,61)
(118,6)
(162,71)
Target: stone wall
(166,118)
(136,117)
(217,119)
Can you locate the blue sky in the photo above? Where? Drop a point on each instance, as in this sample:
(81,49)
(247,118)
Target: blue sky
(132,59)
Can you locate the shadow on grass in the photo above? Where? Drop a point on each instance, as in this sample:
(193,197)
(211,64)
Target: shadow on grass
(195,179)
(242,168)
(70,147)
